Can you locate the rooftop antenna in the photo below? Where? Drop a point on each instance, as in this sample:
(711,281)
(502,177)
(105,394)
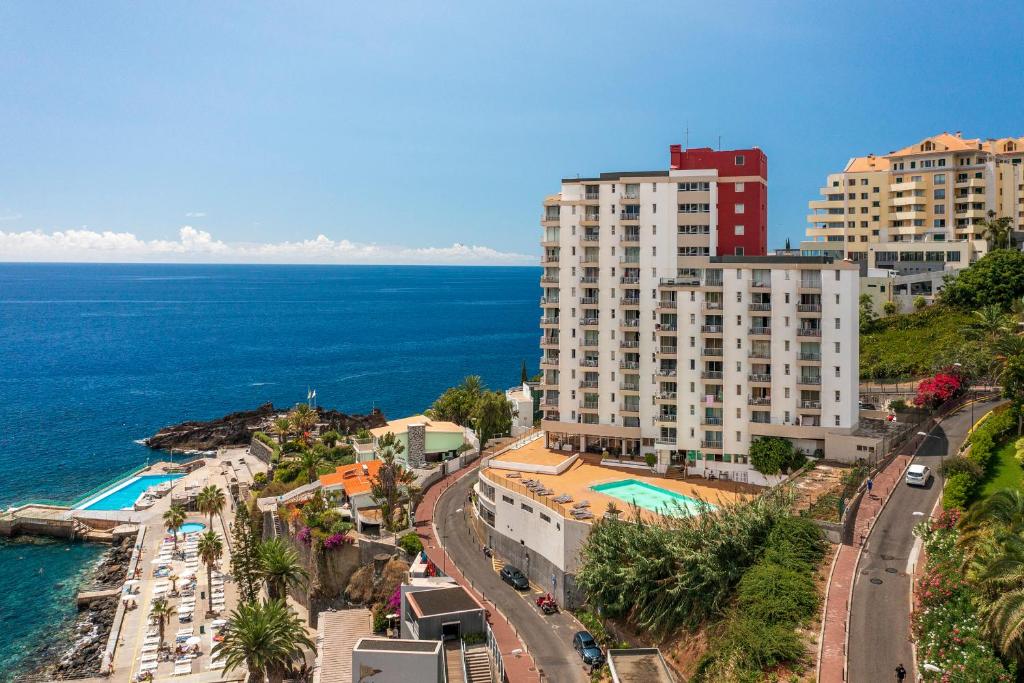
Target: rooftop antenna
(719,143)
(687,137)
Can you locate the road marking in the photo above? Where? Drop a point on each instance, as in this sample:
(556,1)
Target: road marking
(915,513)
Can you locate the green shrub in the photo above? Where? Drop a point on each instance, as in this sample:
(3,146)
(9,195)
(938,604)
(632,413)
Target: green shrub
(777,595)
(411,543)
(259,480)
(898,405)
(651,459)
(761,645)
(958,491)
(959,464)
(380,617)
(795,543)
(474,638)
(293,447)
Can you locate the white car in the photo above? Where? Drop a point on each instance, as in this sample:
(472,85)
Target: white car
(918,475)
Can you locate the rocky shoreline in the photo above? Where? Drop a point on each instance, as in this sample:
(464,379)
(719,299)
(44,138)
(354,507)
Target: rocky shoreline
(55,659)
(236,429)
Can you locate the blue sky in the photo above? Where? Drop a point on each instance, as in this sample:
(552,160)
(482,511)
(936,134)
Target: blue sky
(397,130)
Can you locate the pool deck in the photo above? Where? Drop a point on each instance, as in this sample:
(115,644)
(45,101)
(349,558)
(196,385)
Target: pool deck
(127,655)
(578,479)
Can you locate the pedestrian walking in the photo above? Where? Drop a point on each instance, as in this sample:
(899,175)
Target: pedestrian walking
(901,673)
(871,485)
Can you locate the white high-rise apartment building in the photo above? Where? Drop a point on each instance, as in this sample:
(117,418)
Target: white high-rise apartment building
(654,344)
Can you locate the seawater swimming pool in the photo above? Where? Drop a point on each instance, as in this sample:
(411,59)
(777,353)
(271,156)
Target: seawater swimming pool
(124,495)
(650,497)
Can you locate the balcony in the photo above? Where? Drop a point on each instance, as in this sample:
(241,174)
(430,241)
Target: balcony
(548,321)
(679,281)
(713,282)
(808,308)
(711,374)
(665,441)
(588,300)
(811,357)
(759,400)
(629,407)
(628,261)
(629,237)
(591,196)
(810,284)
(760,331)
(666,327)
(630,301)
(546,218)
(549,258)
(810,405)
(552,415)
(711,329)
(666,372)
(668,350)
(711,306)
(715,445)
(759,354)
(590,219)
(667,419)
(629,280)
(552,279)
(713,352)
(629,322)
(669,304)
(589,343)
(760,284)
(809,379)
(715,399)
(629,343)
(589,322)
(808,332)
(588,362)
(711,420)
(667,395)
(589,405)
(629,365)
(591,237)
(759,377)
(629,216)
(589,259)
(760,307)
(549,361)
(629,386)
(589,384)
(631,195)
(549,341)
(549,301)
(551,402)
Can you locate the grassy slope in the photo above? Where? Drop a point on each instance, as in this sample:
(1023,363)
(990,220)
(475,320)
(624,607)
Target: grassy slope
(1006,473)
(914,344)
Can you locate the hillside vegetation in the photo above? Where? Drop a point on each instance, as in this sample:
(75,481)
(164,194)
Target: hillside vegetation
(915,344)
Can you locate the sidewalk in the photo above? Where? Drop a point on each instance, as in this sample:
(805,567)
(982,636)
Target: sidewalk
(518,666)
(837,603)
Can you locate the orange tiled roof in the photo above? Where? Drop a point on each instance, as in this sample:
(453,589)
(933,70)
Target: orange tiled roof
(354,478)
(943,142)
(865,164)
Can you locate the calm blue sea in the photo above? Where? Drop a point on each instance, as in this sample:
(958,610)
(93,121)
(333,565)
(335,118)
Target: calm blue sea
(93,357)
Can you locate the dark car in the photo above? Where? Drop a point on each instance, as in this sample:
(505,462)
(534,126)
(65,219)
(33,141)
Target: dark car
(514,578)
(585,644)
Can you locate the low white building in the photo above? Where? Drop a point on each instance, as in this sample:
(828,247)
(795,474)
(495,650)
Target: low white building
(521,398)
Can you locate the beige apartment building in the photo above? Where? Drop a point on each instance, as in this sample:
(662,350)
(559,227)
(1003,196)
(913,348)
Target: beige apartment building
(938,190)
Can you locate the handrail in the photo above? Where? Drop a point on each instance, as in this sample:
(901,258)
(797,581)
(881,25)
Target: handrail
(462,648)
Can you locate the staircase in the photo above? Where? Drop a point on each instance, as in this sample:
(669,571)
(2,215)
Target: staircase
(453,660)
(478,665)
(675,472)
(276,526)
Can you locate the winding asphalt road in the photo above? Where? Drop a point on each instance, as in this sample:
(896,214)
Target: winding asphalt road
(549,638)
(880,608)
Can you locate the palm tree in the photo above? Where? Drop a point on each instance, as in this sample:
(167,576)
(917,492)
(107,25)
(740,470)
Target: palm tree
(264,638)
(173,519)
(304,418)
(282,427)
(210,548)
(210,501)
(1002,512)
(991,323)
(162,611)
(998,231)
(280,567)
(391,481)
(310,460)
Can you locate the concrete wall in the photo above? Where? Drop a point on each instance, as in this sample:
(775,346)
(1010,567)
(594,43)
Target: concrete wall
(261,450)
(469,622)
(398,667)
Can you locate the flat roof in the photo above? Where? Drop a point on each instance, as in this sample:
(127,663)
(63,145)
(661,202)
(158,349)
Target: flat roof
(402,426)
(533,453)
(617,175)
(338,632)
(436,601)
(393,645)
(774,258)
(639,665)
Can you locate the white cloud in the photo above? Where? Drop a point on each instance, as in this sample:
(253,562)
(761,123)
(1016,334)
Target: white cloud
(195,214)
(199,246)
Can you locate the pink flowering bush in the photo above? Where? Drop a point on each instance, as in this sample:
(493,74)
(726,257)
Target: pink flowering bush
(935,391)
(336,541)
(305,535)
(946,628)
(395,601)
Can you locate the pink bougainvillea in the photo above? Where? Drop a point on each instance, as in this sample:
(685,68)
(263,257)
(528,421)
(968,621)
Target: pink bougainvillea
(395,601)
(935,391)
(305,535)
(336,541)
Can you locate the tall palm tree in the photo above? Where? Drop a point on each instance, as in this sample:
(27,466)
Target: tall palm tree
(173,519)
(991,323)
(998,231)
(280,567)
(998,569)
(282,427)
(304,418)
(1002,512)
(211,501)
(162,611)
(310,460)
(263,637)
(392,481)
(210,548)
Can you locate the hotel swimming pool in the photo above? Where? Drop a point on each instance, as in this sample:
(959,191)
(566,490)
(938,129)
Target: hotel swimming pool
(124,495)
(650,497)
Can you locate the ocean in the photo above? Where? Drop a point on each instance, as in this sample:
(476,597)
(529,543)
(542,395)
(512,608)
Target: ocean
(95,357)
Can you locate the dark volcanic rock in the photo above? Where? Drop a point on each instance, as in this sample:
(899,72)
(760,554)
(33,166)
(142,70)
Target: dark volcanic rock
(237,429)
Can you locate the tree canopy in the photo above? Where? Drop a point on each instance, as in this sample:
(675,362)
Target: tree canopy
(997,278)
(771,455)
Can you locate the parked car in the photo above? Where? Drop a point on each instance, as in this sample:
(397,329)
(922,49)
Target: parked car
(586,646)
(918,475)
(515,578)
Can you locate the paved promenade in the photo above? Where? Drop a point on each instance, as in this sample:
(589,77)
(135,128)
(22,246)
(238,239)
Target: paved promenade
(519,665)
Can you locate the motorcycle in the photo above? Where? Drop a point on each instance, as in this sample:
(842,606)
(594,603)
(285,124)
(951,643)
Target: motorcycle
(547,604)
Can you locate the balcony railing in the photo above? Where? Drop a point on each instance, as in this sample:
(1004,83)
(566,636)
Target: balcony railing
(629,260)
(759,400)
(810,284)
(672,419)
(761,284)
(667,303)
(760,307)
(591,237)
(630,301)
(590,342)
(589,405)
(759,377)
(679,281)
(588,362)
(810,405)
(713,282)
(711,329)
(808,332)
(809,356)
(667,372)
(630,237)
(589,321)
(629,407)
(710,420)
(759,354)
(629,280)
(665,441)
(548,300)
(629,343)
(666,327)
(549,258)
(549,278)
(627,386)
(592,195)
(589,279)
(667,395)
(760,330)
(712,306)
(629,365)
(711,374)
(711,444)
(808,308)
(629,216)
(548,321)
(548,360)
(711,352)
(550,402)
(668,349)
(808,379)
(588,300)
(631,195)
(589,384)
(630,322)
(549,340)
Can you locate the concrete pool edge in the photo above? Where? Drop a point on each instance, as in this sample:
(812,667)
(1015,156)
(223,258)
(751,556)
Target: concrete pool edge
(114,488)
(675,500)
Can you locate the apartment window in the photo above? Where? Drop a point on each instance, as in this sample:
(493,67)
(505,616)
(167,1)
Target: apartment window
(740,208)
(739,187)
(940,208)
(837,347)
(739,251)
(526,507)
(837,397)
(837,371)
(545,518)
(940,178)
(506,499)
(837,323)
(939,193)
(740,160)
